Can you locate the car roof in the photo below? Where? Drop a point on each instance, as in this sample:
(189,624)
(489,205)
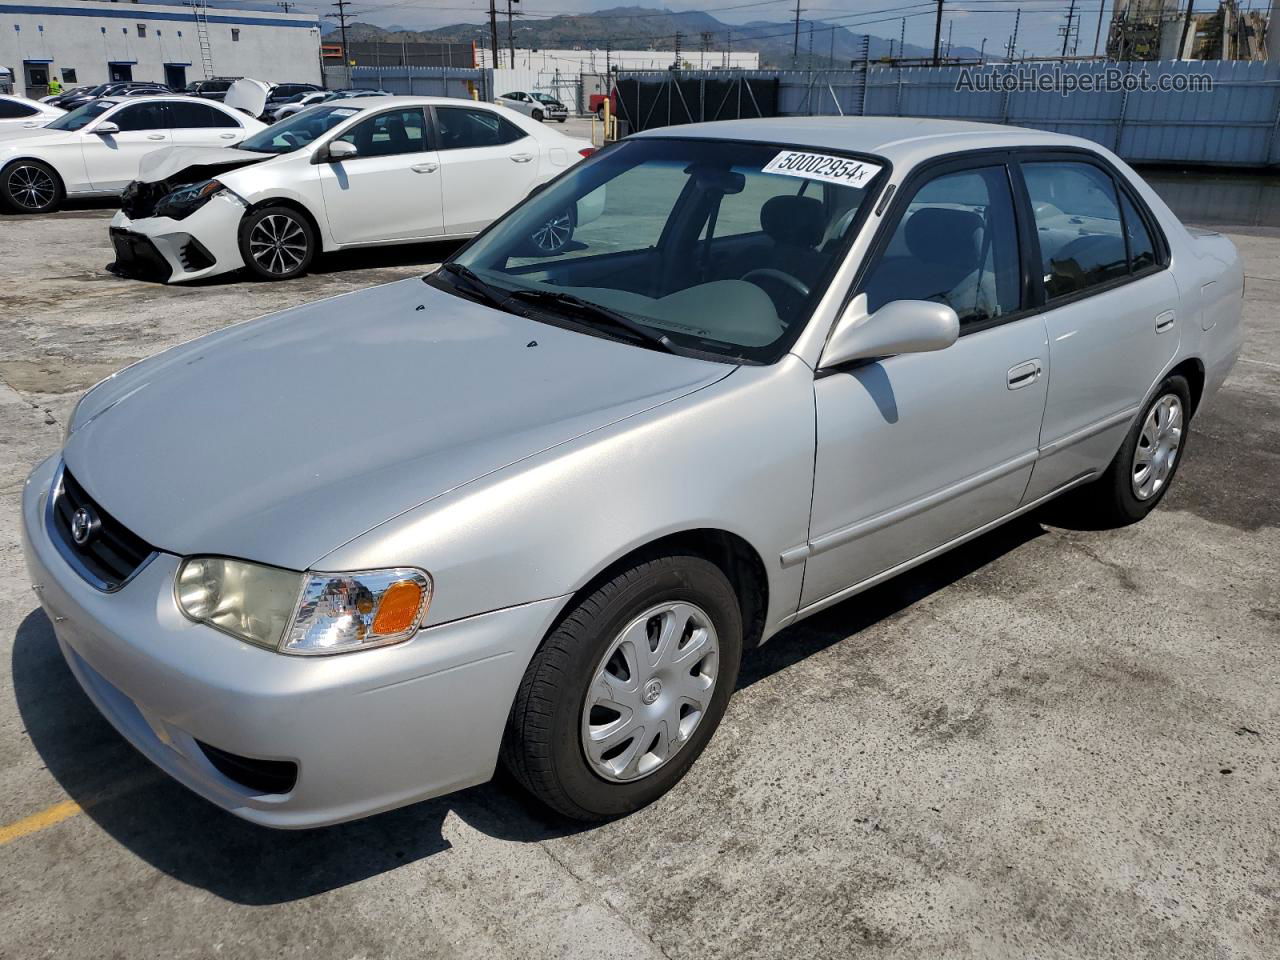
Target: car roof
(172,97)
(901,140)
(384,100)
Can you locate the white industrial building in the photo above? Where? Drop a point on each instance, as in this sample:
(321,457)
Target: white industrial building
(88,41)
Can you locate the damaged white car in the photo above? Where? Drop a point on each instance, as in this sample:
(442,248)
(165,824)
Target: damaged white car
(96,150)
(350,173)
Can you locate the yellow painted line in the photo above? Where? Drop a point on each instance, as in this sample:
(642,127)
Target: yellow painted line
(46,818)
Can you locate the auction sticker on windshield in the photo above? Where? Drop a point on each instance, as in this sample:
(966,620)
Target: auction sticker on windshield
(822,166)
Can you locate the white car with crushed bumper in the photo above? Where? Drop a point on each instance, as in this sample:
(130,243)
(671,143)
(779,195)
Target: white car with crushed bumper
(350,173)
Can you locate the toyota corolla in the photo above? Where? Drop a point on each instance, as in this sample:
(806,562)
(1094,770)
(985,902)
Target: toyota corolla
(534,507)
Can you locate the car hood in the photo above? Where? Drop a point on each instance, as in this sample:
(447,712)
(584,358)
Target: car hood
(169,162)
(280,439)
(248,95)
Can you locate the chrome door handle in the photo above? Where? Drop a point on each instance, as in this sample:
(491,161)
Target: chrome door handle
(155,136)
(1165,321)
(1024,374)
(522,157)
(425,167)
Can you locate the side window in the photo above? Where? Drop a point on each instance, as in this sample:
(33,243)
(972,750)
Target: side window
(389,134)
(1078,223)
(957,243)
(1142,252)
(13,110)
(195,114)
(141,116)
(461,128)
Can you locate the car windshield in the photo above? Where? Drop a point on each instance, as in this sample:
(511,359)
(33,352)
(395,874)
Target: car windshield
(543,98)
(295,132)
(714,247)
(81,116)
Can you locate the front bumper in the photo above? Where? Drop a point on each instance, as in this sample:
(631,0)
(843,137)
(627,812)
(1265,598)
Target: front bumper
(204,244)
(366,731)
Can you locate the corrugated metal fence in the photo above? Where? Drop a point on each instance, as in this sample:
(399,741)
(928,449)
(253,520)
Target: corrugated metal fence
(1233,124)
(421,81)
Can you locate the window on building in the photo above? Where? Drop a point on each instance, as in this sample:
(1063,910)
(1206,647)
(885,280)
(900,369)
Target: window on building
(68,74)
(142,29)
(235,34)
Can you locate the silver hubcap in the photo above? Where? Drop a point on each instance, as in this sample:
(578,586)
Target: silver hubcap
(553,234)
(651,690)
(278,244)
(31,187)
(1158,447)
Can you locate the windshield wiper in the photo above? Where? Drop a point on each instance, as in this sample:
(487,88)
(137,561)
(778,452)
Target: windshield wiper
(586,310)
(487,292)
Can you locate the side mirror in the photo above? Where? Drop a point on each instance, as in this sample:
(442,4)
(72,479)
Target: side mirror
(340,150)
(106,129)
(902,326)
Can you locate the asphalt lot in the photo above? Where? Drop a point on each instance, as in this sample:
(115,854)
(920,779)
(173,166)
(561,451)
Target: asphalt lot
(1052,743)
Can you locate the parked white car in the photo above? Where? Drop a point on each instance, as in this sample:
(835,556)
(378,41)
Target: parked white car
(350,173)
(19,113)
(95,150)
(300,102)
(539,106)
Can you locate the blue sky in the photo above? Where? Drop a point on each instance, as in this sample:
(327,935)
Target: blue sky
(969,20)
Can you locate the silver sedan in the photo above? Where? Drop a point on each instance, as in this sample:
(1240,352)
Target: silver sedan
(534,507)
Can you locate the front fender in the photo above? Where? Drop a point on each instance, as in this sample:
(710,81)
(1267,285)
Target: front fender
(735,456)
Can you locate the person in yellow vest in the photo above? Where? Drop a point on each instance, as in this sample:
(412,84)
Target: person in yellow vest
(55,86)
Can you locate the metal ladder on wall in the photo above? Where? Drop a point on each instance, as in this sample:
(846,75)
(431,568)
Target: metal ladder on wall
(201,10)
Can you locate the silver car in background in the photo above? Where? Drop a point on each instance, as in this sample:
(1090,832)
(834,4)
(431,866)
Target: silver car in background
(539,106)
(535,507)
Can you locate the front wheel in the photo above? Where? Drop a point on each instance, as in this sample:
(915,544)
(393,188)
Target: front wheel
(31,186)
(627,691)
(277,243)
(537,115)
(554,234)
(1144,467)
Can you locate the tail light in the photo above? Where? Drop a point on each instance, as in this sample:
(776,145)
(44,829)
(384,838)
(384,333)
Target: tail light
(586,151)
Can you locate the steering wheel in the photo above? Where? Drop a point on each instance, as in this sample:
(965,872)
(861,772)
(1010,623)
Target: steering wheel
(786,279)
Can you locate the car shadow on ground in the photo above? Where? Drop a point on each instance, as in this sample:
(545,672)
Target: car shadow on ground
(186,837)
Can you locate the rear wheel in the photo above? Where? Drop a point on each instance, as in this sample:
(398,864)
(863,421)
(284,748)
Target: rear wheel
(626,692)
(31,186)
(1144,467)
(277,243)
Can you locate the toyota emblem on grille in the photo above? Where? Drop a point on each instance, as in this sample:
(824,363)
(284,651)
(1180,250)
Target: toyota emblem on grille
(84,524)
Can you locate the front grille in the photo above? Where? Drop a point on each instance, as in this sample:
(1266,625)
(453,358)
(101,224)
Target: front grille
(137,256)
(110,554)
(260,776)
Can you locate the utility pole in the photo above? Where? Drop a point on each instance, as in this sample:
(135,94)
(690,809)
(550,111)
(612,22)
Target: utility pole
(728,49)
(937,34)
(1066,30)
(902,39)
(982,51)
(679,38)
(1013,37)
(705,36)
(795,40)
(511,40)
(811,46)
(1097,34)
(493,32)
(1186,28)
(342,25)
(286,5)
(608,58)
(951,25)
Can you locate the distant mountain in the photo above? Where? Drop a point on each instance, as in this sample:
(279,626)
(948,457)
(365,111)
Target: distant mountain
(643,28)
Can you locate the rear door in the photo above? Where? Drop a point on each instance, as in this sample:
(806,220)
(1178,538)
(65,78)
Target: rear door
(196,124)
(390,190)
(1111,311)
(488,165)
(112,159)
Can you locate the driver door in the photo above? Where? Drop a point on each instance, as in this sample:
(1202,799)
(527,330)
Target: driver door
(918,449)
(390,190)
(112,159)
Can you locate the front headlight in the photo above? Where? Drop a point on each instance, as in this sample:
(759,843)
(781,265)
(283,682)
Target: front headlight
(304,614)
(184,201)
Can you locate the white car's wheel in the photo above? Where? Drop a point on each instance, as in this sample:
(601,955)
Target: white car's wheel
(554,235)
(277,243)
(30,186)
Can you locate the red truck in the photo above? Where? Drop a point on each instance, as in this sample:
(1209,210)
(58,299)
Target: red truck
(595,103)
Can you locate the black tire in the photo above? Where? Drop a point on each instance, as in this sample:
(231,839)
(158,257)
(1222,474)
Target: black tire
(31,186)
(1111,500)
(297,245)
(561,119)
(543,747)
(537,115)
